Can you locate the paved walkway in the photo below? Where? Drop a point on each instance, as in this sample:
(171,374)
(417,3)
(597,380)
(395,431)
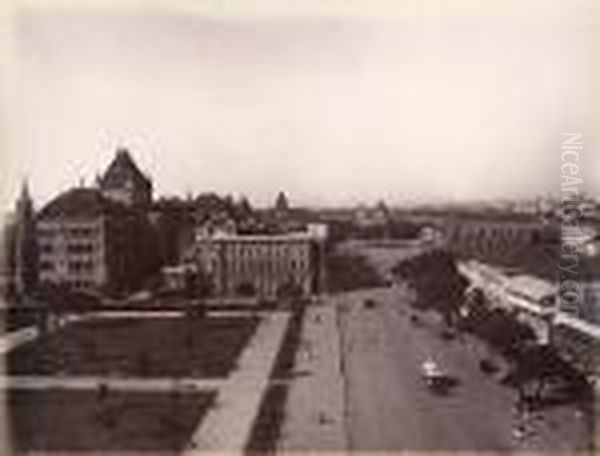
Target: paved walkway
(15,338)
(123,384)
(314,414)
(228,425)
(116,314)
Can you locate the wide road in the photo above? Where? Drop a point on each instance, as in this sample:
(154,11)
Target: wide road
(388,407)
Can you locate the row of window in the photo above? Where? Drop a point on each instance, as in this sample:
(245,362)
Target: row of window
(253,252)
(268,265)
(73,266)
(73,232)
(80,266)
(80,284)
(46,266)
(80,248)
(71,248)
(269,255)
(46,248)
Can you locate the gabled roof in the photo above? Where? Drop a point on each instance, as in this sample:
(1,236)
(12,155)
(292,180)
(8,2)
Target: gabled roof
(122,169)
(81,202)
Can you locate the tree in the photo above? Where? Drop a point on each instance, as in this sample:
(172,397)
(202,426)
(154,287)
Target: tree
(197,284)
(503,331)
(244,207)
(350,272)
(475,298)
(437,281)
(289,289)
(537,364)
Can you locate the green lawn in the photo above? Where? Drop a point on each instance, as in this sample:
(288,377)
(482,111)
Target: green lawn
(60,420)
(142,347)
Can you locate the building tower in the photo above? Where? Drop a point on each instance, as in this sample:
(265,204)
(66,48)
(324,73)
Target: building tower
(25,260)
(124,182)
(281,203)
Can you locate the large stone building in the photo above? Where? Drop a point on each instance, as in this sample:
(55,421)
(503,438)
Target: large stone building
(263,265)
(98,238)
(77,233)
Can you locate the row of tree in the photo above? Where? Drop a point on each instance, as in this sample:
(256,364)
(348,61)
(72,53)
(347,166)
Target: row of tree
(437,282)
(440,286)
(346,271)
(341,230)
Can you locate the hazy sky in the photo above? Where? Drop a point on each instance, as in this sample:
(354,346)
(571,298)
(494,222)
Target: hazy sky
(420,104)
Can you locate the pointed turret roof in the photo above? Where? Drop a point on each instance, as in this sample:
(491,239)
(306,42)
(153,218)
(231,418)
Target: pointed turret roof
(122,169)
(281,203)
(24,202)
(25,195)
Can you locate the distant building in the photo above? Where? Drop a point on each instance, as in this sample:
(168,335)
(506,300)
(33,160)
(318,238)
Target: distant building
(176,220)
(367,217)
(283,218)
(489,235)
(125,183)
(262,265)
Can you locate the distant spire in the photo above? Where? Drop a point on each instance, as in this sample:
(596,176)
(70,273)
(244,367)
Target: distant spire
(25,195)
(281,202)
(122,150)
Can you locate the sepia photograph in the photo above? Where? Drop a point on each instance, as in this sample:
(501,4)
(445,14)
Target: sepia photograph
(278,227)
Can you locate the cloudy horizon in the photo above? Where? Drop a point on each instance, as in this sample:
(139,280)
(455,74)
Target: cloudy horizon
(335,110)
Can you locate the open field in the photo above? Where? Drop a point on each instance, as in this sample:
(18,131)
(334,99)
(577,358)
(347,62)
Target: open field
(143,347)
(62,420)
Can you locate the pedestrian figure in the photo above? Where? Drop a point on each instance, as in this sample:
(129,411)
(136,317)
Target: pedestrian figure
(102,391)
(518,433)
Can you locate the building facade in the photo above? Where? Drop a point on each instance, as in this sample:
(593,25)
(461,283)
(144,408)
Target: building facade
(85,241)
(263,265)
(489,236)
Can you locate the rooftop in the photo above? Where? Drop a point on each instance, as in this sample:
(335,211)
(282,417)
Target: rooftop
(122,169)
(81,202)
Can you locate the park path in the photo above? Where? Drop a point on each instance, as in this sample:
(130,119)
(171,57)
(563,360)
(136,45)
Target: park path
(122,384)
(18,337)
(228,425)
(13,339)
